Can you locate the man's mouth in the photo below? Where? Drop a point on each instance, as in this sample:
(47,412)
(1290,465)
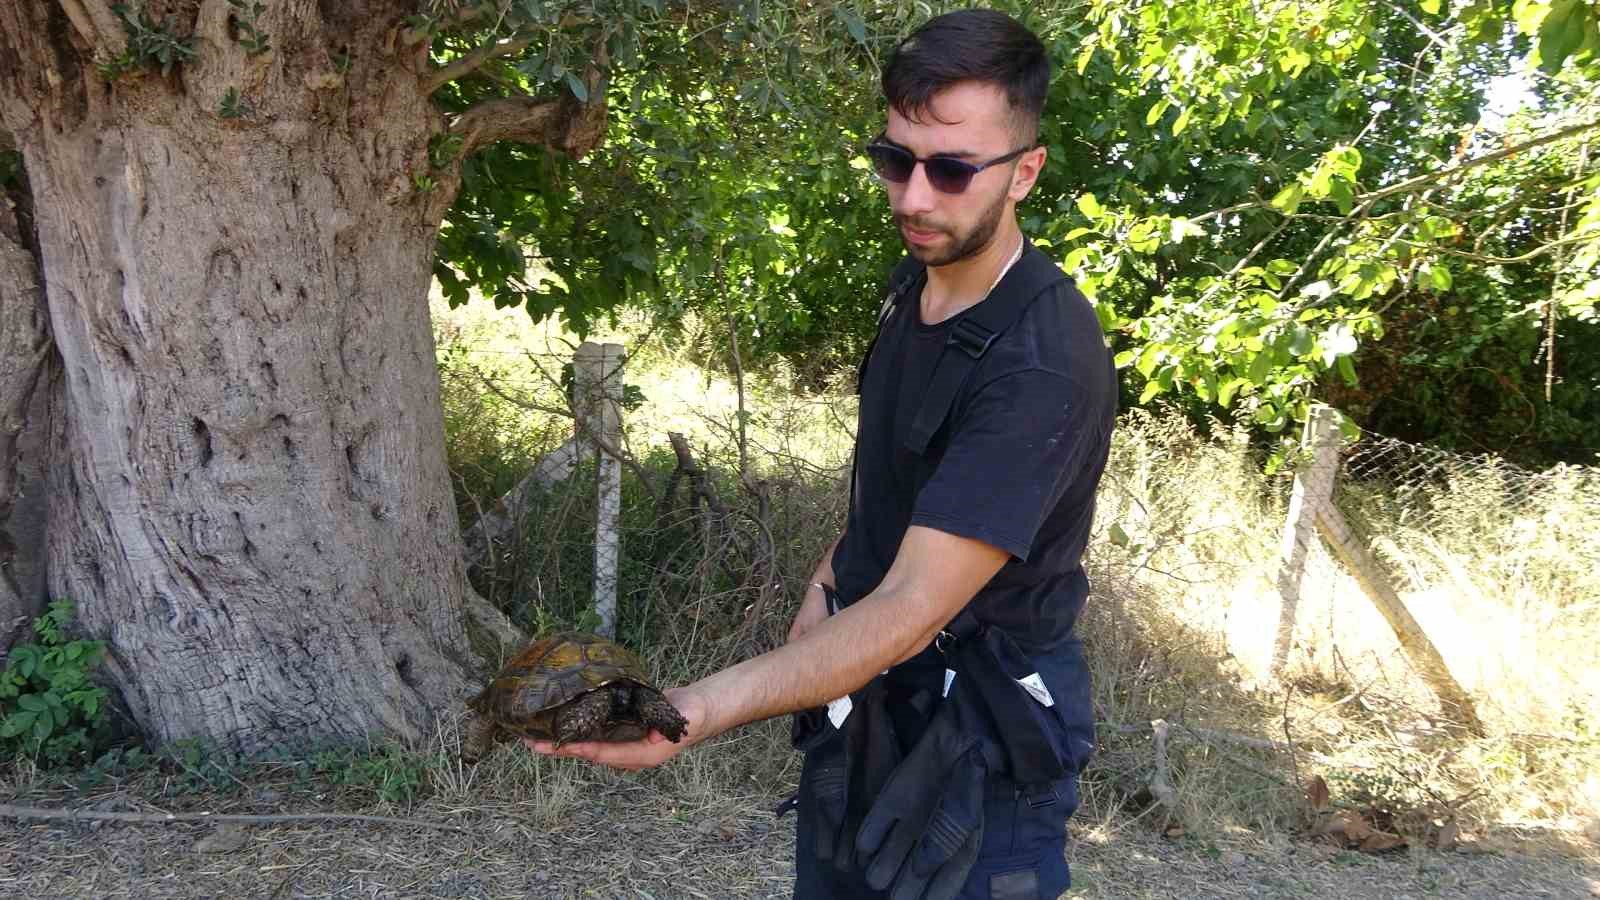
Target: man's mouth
(919,235)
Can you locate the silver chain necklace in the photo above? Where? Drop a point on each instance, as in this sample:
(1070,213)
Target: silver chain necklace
(1021,242)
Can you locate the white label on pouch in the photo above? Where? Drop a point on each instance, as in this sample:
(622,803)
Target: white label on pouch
(949,676)
(1035,686)
(839,710)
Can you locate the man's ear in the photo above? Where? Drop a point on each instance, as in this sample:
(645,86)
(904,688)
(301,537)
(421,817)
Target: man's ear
(1029,167)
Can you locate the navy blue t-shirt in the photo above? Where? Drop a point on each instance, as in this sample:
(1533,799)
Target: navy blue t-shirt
(1015,465)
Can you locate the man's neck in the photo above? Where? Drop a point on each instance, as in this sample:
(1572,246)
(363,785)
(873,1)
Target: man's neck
(963,284)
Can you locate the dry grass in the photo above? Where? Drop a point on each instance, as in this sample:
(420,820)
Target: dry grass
(1183,565)
(1508,591)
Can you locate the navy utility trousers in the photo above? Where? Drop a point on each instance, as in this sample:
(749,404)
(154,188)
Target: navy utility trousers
(1023,856)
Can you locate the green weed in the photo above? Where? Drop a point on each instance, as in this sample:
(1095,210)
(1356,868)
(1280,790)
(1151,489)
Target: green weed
(49,707)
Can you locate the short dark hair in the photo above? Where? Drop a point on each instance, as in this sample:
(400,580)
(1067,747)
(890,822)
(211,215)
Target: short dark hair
(971,45)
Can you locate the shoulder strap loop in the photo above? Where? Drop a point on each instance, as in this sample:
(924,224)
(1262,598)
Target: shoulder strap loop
(973,334)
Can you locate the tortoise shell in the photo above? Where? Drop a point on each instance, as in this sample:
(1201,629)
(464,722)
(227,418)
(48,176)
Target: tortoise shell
(571,686)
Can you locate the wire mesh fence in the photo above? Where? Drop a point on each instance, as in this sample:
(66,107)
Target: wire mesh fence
(1476,523)
(1423,483)
(726,504)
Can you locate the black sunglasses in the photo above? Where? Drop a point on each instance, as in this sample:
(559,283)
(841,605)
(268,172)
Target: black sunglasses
(947,174)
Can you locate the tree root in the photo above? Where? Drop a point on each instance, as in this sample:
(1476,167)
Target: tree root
(8,810)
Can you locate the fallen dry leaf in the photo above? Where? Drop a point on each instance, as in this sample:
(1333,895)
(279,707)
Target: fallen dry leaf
(1381,842)
(1317,793)
(1174,831)
(1354,828)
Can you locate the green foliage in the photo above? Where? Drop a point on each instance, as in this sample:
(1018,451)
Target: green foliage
(390,772)
(48,705)
(1255,199)
(246,17)
(234,106)
(149,43)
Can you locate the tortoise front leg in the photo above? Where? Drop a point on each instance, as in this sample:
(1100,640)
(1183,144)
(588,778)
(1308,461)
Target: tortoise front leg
(583,717)
(479,738)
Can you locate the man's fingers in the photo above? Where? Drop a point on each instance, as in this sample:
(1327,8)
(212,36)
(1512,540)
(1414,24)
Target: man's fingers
(639,754)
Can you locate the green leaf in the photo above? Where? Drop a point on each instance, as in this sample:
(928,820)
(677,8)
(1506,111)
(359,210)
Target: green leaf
(1347,370)
(1563,32)
(16,724)
(31,702)
(1260,367)
(1118,535)
(578,88)
(1529,14)
(1151,389)
(853,24)
(1288,199)
(1439,274)
(1431,7)
(1089,205)
(1149,360)
(1182,122)
(1227,389)
(1157,111)
(42,726)
(1084,55)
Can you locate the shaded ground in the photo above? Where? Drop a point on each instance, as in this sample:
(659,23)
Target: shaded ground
(630,841)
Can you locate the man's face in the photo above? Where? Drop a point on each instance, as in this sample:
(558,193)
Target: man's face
(971,122)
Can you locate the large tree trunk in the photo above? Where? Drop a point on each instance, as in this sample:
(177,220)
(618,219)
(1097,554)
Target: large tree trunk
(24,361)
(249,500)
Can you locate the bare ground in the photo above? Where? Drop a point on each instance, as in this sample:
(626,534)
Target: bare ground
(630,839)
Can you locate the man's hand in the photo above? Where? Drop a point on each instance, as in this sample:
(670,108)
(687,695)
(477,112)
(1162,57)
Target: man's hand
(652,750)
(933,576)
(813,609)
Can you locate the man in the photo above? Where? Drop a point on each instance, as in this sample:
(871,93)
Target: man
(993,513)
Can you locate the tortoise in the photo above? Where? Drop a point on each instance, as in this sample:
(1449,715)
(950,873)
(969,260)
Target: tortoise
(569,686)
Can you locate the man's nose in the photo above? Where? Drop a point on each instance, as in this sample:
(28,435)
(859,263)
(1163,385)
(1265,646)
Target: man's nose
(917,196)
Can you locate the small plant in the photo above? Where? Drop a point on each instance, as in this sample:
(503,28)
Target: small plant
(233,105)
(148,42)
(48,705)
(443,149)
(200,765)
(394,774)
(247,16)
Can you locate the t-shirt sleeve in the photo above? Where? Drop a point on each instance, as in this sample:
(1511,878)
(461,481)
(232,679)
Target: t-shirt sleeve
(1014,451)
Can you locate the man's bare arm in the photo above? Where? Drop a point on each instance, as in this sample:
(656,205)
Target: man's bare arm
(813,604)
(933,576)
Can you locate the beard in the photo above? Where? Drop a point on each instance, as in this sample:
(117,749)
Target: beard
(962,246)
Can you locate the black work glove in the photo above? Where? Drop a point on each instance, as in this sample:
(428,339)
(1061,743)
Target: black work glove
(850,766)
(921,838)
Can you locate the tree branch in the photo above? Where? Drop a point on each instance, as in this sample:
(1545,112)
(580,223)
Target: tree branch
(471,62)
(94,20)
(585,432)
(563,125)
(13,811)
(1421,181)
(1418,24)
(1577,237)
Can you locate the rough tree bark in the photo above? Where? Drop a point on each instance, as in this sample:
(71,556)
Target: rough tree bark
(249,500)
(24,360)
